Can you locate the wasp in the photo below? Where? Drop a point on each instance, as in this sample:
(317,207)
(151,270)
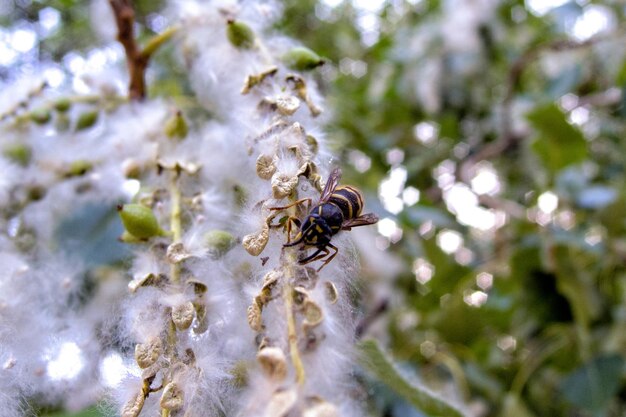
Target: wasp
(339,208)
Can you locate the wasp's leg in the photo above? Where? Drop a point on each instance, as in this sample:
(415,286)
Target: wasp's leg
(330,257)
(314,257)
(290,221)
(302,200)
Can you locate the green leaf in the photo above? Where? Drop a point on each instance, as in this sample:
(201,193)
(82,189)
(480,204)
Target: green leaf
(593,385)
(374,359)
(559,144)
(576,284)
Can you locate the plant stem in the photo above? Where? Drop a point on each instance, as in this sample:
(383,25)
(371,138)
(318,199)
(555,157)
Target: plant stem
(292,334)
(291,328)
(175,270)
(175,224)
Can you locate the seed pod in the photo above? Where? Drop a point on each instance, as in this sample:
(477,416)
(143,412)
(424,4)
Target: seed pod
(255,320)
(219,242)
(19,153)
(283,185)
(239,34)
(131,168)
(254,243)
(331,292)
(199,287)
(240,195)
(78,168)
(177,253)
(86,120)
(62,105)
(202,324)
(281,403)
(145,280)
(256,79)
(178,166)
(40,116)
(313,314)
(299,86)
(146,354)
(300,295)
(266,166)
(182,315)
(313,145)
(139,221)
(321,408)
(287,105)
(176,126)
(273,362)
(302,59)
(172,397)
(134,406)
(269,282)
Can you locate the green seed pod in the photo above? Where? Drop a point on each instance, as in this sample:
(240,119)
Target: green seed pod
(302,59)
(176,126)
(219,242)
(62,105)
(78,168)
(86,120)
(40,116)
(18,153)
(240,35)
(139,221)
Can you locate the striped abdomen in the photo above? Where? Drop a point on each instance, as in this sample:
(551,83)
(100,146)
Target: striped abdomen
(349,200)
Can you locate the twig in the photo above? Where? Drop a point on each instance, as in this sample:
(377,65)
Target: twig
(507,138)
(137,59)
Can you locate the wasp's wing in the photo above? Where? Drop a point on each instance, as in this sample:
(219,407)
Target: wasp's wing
(331,184)
(363,220)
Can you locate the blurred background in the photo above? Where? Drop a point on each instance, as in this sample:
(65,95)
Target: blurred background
(489,137)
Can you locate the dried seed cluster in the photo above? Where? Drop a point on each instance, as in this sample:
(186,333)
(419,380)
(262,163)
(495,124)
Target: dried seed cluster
(289,289)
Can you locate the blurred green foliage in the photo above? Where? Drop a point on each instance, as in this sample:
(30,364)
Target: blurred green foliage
(546,333)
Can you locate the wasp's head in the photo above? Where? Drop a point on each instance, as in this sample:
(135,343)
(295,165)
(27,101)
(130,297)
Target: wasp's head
(313,232)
